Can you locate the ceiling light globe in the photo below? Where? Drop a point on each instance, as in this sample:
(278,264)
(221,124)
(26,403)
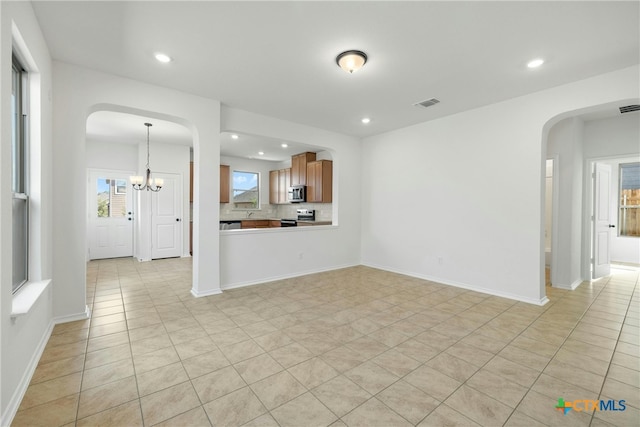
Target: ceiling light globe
(161,57)
(351,60)
(535,63)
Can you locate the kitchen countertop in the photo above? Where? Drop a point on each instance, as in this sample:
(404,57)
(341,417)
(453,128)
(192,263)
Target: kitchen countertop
(316,222)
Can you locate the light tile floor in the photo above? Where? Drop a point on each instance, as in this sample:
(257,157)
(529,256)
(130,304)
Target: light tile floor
(356,347)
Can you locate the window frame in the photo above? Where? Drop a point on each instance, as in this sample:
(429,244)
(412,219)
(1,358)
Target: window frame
(20,174)
(623,209)
(234,189)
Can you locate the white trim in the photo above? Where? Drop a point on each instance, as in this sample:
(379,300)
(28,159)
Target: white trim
(285,276)
(24,300)
(570,287)
(23,384)
(205,294)
(555,209)
(542,301)
(73,317)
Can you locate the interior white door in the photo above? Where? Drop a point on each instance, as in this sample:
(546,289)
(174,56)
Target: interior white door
(166,218)
(602,220)
(110,214)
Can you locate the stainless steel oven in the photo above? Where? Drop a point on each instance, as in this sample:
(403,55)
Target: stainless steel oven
(286,222)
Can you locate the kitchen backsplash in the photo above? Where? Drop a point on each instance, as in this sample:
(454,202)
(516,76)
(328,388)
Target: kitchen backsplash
(323,211)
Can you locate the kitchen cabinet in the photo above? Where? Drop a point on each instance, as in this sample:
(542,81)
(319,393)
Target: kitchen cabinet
(279,183)
(274,223)
(254,223)
(299,167)
(320,181)
(224,183)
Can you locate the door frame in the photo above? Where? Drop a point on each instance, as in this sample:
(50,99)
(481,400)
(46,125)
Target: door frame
(587,219)
(555,204)
(89,207)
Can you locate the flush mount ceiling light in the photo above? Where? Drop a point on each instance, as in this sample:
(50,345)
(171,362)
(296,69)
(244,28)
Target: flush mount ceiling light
(535,63)
(284,145)
(351,60)
(161,57)
(234,136)
(261,153)
(366,120)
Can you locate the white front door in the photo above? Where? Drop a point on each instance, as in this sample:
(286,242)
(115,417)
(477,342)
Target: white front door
(602,221)
(110,214)
(166,218)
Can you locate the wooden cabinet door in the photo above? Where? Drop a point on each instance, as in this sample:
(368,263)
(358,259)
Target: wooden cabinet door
(224,183)
(299,167)
(326,181)
(311,182)
(274,187)
(284,182)
(320,181)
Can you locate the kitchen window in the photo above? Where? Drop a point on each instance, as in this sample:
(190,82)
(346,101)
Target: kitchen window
(246,190)
(629,204)
(19,174)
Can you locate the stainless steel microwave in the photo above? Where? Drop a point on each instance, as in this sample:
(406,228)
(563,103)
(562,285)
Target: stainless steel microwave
(297,194)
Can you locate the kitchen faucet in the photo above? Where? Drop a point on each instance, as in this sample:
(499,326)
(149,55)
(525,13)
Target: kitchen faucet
(249,213)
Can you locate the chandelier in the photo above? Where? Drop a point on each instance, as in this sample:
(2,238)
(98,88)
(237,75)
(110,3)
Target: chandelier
(149,184)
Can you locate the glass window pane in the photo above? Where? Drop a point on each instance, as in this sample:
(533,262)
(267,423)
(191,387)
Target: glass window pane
(246,190)
(629,213)
(20,241)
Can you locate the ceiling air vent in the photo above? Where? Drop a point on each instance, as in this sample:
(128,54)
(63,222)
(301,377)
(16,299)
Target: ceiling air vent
(629,108)
(427,103)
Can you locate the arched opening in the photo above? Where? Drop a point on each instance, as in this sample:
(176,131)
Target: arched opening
(123,222)
(575,141)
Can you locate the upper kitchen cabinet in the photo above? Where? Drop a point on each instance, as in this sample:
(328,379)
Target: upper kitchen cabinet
(299,167)
(319,181)
(224,183)
(279,183)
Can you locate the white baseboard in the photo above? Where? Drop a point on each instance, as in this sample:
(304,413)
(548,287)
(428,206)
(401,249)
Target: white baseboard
(508,295)
(21,389)
(284,276)
(205,294)
(570,287)
(73,317)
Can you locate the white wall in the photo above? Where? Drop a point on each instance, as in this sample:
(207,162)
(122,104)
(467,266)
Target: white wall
(22,340)
(565,141)
(255,256)
(460,199)
(613,141)
(104,155)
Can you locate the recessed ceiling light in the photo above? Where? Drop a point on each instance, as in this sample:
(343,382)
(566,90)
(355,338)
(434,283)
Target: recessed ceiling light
(535,63)
(284,145)
(261,153)
(234,136)
(161,57)
(366,120)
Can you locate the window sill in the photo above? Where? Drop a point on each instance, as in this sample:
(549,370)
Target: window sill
(27,296)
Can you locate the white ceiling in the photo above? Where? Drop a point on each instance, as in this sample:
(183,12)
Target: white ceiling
(278,58)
